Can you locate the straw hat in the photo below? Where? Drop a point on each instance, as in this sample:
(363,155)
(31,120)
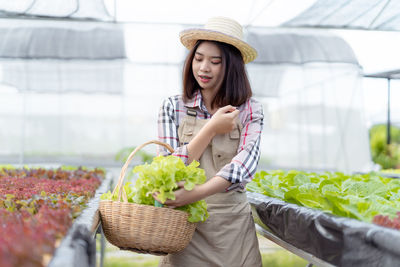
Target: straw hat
(220,29)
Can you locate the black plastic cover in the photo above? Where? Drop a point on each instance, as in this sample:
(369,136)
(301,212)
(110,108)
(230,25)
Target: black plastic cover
(337,240)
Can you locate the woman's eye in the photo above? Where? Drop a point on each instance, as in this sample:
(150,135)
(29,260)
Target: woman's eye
(197,59)
(215,62)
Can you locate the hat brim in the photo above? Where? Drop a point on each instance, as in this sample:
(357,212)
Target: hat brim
(189,38)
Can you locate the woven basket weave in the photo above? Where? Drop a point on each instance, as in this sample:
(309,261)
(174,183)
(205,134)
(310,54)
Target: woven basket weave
(144,228)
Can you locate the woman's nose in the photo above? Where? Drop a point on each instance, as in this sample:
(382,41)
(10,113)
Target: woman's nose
(204,66)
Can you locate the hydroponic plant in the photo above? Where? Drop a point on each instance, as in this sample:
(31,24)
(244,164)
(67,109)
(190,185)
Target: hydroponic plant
(361,196)
(37,207)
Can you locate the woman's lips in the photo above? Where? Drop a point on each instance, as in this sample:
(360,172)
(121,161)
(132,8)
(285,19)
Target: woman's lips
(204,79)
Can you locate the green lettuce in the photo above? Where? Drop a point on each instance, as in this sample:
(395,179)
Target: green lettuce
(162,175)
(358,196)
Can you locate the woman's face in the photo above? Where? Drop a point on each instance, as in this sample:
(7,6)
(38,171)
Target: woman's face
(207,66)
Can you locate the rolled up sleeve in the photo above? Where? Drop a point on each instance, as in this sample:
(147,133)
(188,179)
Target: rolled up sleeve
(168,129)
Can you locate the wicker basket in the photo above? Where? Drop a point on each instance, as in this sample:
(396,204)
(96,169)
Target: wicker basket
(144,228)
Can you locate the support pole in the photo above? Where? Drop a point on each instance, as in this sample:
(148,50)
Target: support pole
(388,113)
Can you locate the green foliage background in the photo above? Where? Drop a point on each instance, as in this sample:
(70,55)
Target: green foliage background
(388,156)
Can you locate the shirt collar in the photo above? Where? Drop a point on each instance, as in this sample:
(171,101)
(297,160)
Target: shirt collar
(196,101)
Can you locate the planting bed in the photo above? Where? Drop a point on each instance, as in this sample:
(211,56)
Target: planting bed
(38,207)
(332,218)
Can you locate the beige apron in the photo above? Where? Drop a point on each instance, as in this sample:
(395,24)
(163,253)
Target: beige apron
(228,237)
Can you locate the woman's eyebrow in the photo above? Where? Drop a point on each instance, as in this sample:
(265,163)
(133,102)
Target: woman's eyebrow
(200,54)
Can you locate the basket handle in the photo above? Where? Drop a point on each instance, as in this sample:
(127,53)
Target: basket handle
(125,167)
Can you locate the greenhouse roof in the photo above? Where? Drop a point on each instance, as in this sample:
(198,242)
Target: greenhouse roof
(282,47)
(378,15)
(392,74)
(79,9)
(356,14)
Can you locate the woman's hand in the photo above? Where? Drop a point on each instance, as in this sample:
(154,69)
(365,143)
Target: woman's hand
(182,197)
(224,120)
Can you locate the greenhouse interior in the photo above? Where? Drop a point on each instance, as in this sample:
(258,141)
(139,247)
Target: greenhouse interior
(82,87)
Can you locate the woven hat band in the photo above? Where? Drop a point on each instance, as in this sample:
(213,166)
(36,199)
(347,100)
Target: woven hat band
(225,25)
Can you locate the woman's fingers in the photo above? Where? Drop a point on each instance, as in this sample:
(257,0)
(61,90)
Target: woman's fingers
(224,120)
(181,184)
(234,113)
(169,203)
(226,109)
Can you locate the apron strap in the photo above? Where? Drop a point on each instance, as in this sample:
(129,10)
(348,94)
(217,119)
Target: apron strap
(190,120)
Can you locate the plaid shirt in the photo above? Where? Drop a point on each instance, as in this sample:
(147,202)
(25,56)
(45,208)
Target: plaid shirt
(243,166)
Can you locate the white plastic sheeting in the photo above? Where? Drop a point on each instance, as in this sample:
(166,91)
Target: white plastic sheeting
(64,76)
(313,110)
(80,111)
(310,85)
(78,127)
(378,15)
(72,9)
(289,47)
(36,39)
(315,118)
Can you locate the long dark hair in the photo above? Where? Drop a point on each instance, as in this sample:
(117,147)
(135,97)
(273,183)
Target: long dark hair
(235,88)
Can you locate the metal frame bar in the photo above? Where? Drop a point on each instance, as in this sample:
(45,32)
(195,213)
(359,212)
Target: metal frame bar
(301,253)
(388,75)
(388,139)
(99,230)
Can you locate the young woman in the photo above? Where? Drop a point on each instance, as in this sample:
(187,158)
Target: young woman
(216,122)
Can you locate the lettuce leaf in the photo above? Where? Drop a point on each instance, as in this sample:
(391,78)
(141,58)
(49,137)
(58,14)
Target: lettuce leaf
(359,196)
(162,175)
